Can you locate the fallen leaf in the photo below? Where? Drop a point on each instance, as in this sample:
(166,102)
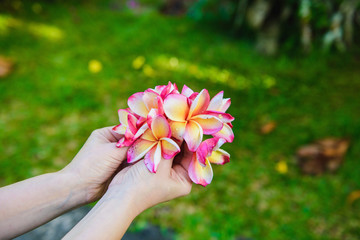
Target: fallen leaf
(138,62)
(353,196)
(148,71)
(95,66)
(281,167)
(268,127)
(6,66)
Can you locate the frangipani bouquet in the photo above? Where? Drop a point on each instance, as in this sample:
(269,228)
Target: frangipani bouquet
(160,120)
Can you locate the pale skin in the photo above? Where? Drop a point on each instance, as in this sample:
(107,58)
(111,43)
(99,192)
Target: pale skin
(92,175)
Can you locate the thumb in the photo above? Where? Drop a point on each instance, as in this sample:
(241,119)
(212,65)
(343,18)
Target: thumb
(182,183)
(119,154)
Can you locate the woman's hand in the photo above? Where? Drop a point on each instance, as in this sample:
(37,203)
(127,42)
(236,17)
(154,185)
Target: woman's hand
(96,162)
(131,191)
(148,189)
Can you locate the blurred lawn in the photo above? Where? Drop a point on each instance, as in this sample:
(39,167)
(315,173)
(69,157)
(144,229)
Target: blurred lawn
(51,102)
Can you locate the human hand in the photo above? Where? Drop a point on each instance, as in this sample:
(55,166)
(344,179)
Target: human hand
(96,162)
(146,189)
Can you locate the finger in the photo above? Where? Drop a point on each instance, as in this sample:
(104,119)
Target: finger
(112,135)
(186,159)
(108,134)
(165,164)
(184,183)
(182,173)
(119,154)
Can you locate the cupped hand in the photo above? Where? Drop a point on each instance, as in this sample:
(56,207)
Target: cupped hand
(147,189)
(96,162)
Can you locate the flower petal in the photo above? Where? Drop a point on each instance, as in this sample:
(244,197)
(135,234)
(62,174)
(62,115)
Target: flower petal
(219,157)
(150,117)
(153,158)
(132,123)
(225,104)
(141,130)
(139,149)
(219,143)
(216,102)
(208,123)
(160,105)
(120,129)
(224,117)
(150,99)
(200,103)
(199,174)
(123,142)
(175,88)
(159,88)
(176,107)
(186,91)
(129,134)
(193,135)
(226,133)
(169,148)
(140,122)
(169,88)
(178,130)
(148,135)
(205,149)
(137,104)
(123,116)
(192,98)
(160,127)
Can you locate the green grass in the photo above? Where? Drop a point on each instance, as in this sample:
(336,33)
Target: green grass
(51,103)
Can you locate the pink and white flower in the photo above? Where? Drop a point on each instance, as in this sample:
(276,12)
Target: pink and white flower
(209,151)
(155,144)
(189,120)
(217,107)
(127,127)
(159,119)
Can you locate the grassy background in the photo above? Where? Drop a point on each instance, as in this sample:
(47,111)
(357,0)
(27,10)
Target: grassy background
(51,102)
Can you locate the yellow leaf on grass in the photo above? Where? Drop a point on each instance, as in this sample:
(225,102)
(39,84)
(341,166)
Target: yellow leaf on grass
(138,62)
(148,71)
(95,66)
(353,196)
(281,167)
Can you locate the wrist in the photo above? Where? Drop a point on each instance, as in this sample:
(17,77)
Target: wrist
(109,218)
(127,195)
(76,188)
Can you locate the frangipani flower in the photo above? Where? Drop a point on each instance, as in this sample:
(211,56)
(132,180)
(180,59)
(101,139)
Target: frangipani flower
(209,151)
(159,119)
(141,103)
(218,103)
(164,90)
(127,127)
(217,107)
(155,144)
(189,122)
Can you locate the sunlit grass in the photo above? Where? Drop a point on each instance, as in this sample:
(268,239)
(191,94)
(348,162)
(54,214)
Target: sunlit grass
(41,30)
